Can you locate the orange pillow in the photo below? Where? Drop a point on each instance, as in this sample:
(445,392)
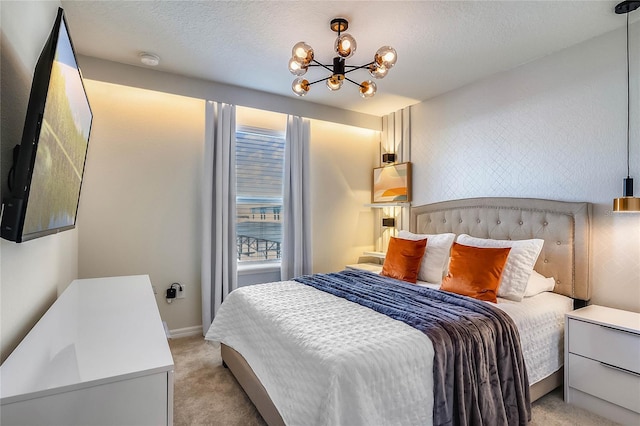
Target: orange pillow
(475,271)
(403,259)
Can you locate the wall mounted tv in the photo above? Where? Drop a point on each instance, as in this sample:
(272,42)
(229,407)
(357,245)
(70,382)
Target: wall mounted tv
(48,166)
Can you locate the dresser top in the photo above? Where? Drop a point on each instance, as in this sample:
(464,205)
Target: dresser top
(610,317)
(98,331)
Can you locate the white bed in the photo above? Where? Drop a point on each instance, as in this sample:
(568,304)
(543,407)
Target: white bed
(330,361)
(540,322)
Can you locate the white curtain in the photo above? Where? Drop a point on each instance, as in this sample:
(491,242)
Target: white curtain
(296,238)
(219,254)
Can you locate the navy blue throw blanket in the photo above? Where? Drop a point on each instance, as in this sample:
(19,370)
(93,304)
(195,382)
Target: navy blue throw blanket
(478,369)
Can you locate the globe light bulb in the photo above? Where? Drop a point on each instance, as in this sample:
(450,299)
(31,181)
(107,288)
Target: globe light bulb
(296,68)
(302,52)
(300,86)
(345,45)
(334,83)
(378,71)
(386,56)
(368,89)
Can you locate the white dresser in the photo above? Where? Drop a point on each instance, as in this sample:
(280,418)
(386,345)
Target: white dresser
(602,362)
(98,356)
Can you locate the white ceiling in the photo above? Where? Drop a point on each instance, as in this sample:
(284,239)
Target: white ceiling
(441,45)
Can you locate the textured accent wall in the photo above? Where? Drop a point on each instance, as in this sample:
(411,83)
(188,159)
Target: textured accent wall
(554,128)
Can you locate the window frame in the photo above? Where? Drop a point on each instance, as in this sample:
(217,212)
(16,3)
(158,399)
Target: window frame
(246,266)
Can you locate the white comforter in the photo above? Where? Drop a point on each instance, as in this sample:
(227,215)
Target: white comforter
(349,365)
(331,361)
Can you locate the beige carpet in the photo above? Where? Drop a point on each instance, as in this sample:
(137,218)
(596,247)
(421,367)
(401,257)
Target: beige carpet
(207,394)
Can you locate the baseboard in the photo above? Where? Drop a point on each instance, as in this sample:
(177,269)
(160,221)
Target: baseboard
(186,331)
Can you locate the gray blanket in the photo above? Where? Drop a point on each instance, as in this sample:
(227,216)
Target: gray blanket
(479,373)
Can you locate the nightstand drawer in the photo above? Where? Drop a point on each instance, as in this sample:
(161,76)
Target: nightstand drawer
(618,387)
(615,347)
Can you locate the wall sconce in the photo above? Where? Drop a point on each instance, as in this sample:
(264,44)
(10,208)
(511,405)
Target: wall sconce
(388,222)
(388,157)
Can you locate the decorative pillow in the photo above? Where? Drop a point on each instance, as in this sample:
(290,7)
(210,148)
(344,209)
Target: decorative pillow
(522,259)
(434,263)
(538,283)
(403,259)
(475,271)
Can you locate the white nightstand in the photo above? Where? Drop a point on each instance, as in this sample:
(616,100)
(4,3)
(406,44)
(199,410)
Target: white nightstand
(371,267)
(602,362)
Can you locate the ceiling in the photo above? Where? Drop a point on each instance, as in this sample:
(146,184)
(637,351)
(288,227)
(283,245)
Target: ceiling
(441,45)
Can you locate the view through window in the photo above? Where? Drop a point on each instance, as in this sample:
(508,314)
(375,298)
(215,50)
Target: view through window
(259,173)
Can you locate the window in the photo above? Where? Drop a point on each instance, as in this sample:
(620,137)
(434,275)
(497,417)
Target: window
(259,173)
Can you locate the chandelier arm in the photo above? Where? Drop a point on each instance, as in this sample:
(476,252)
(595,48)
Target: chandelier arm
(321,65)
(359,67)
(322,79)
(356,83)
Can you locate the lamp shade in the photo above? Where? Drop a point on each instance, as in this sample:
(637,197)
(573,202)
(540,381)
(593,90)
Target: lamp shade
(334,83)
(368,89)
(296,68)
(388,222)
(345,45)
(627,203)
(302,52)
(386,56)
(300,86)
(378,71)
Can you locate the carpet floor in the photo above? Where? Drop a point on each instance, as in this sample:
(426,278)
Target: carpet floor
(205,393)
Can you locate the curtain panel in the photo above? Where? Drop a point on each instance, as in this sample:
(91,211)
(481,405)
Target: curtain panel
(296,238)
(219,253)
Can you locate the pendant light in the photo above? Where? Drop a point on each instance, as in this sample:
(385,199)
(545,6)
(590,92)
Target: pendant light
(344,46)
(627,203)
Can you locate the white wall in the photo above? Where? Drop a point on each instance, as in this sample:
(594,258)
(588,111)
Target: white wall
(140,209)
(554,128)
(32,273)
(342,160)
(144,78)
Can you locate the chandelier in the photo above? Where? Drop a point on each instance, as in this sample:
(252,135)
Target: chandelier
(345,46)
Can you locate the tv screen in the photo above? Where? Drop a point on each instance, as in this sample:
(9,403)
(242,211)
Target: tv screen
(46,177)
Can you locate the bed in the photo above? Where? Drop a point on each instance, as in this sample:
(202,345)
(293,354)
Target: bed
(565,229)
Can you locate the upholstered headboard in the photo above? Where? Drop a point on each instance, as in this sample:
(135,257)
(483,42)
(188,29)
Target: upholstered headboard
(564,227)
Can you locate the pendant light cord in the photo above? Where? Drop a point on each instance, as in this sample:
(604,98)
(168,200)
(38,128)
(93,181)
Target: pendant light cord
(628,100)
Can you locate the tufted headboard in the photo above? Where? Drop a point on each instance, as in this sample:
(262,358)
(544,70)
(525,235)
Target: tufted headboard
(564,227)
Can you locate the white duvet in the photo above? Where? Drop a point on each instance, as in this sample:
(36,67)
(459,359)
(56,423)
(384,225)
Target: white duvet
(327,361)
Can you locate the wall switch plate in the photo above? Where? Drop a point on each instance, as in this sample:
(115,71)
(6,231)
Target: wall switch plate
(180,293)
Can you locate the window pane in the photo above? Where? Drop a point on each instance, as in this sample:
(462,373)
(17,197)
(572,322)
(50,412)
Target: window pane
(259,173)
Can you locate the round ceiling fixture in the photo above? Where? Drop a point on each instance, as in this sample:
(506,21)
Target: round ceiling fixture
(149,59)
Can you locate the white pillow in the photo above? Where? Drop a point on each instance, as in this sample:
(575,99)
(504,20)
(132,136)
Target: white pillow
(538,283)
(516,272)
(434,261)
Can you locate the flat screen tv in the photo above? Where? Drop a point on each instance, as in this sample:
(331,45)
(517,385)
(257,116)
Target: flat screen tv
(48,167)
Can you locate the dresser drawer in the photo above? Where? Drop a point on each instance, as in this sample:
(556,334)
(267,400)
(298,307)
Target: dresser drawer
(618,387)
(600,343)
